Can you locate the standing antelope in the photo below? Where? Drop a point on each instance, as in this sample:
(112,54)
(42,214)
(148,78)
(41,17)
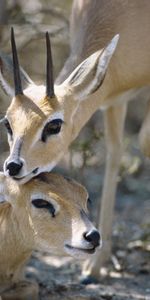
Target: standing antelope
(48,213)
(42,122)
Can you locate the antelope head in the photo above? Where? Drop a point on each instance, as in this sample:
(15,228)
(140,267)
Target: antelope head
(51,212)
(40,120)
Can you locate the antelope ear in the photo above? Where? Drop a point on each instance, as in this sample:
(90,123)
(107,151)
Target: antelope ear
(89,75)
(6,75)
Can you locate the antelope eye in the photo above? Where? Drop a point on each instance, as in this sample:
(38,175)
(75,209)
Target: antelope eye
(8,127)
(51,128)
(43,204)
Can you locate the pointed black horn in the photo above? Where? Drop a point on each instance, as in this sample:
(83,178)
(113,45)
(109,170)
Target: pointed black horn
(49,69)
(17,78)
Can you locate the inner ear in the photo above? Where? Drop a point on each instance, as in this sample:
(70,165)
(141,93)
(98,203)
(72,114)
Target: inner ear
(89,75)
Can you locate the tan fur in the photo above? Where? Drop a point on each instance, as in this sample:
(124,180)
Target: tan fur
(24,227)
(93,25)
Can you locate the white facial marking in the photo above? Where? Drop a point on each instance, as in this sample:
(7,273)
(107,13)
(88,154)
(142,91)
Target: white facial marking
(76,253)
(15,152)
(56,115)
(47,198)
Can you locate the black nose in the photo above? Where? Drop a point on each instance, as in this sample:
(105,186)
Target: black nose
(14,167)
(93,237)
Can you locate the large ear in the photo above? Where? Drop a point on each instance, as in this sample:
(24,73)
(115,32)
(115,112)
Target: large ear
(6,75)
(89,75)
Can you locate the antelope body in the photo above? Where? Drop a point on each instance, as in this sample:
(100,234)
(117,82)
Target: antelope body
(41,125)
(48,213)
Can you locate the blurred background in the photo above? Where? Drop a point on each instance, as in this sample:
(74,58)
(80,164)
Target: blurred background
(85,160)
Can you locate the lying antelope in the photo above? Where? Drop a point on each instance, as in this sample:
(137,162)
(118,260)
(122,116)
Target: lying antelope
(48,213)
(43,121)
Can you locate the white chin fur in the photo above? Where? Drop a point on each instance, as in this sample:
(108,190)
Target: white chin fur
(47,168)
(25,179)
(76,253)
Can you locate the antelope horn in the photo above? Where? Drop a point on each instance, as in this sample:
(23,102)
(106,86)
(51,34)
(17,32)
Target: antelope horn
(16,69)
(49,70)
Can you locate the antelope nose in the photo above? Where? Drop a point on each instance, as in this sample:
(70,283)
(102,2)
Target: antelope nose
(93,237)
(14,167)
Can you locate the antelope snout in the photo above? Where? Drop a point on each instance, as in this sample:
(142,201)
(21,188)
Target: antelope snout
(93,237)
(14,167)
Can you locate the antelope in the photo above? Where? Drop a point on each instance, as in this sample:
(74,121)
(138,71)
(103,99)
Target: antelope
(48,213)
(108,64)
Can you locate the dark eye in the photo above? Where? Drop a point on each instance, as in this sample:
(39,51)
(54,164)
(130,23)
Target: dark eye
(8,127)
(40,203)
(53,127)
